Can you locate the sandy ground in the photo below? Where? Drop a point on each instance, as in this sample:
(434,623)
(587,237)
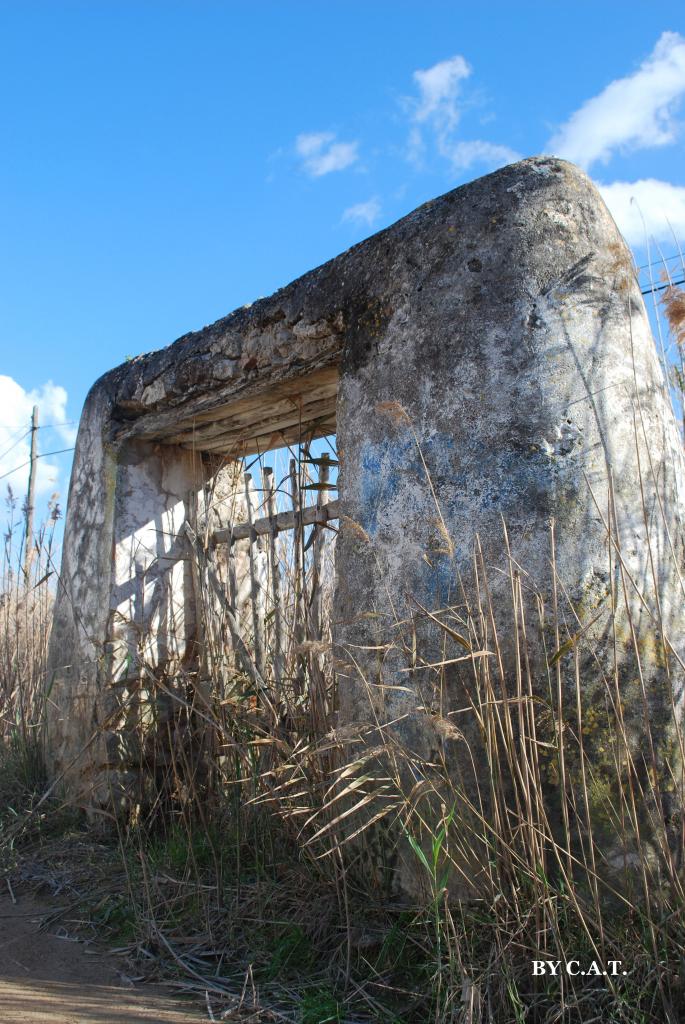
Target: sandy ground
(45,979)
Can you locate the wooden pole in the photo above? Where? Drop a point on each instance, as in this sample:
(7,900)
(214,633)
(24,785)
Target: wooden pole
(298,569)
(274,575)
(318,663)
(231,564)
(244,655)
(318,554)
(31,494)
(233,585)
(257,596)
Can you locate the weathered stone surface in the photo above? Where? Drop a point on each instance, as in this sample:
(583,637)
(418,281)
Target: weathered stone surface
(512,376)
(487,361)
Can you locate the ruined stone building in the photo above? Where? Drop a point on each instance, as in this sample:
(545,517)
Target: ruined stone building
(488,369)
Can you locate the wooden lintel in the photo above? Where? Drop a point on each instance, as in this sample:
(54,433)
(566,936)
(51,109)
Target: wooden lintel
(257,418)
(236,447)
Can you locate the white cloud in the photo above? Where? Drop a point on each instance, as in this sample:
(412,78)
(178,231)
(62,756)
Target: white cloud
(646,208)
(363,213)
(635,112)
(321,153)
(438,91)
(437,110)
(437,103)
(16,405)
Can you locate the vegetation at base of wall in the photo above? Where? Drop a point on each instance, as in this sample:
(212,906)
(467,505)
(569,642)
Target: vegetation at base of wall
(260,873)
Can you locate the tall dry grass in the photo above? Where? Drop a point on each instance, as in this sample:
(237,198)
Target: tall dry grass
(261,865)
(268,871)
(26,598)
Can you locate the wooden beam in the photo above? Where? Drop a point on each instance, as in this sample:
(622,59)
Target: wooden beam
(296,423)
(237,413)
(283,521)
(258,417)
(245,446)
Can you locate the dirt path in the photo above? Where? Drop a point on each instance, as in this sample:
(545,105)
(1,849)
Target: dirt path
(45,979)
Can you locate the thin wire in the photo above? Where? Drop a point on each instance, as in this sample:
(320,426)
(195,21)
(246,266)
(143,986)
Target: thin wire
(41,426)
(43,455)
(664,259)
(13,446)
(662,287)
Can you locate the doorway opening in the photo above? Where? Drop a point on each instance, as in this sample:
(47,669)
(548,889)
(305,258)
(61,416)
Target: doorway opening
(266,569)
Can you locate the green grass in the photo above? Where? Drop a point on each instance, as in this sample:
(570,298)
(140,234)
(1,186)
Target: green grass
(319,1006)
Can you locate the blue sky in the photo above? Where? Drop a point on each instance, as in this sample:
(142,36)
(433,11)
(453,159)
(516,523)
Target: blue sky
(166,162)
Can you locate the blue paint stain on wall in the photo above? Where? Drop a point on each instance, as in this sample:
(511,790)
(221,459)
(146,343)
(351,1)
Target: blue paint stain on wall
(380,469)
(386,468)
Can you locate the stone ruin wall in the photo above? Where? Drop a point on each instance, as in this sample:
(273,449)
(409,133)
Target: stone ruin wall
(486,360)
